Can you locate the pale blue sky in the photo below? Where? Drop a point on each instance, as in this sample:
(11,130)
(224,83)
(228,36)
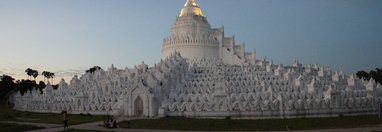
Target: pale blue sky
(69,36)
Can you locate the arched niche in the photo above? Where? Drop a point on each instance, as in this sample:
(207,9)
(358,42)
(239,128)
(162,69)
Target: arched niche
(138,107)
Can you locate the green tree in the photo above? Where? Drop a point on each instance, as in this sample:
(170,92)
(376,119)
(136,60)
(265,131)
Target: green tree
(41,85)
(51,75)
(6,87)
(379,75)
(363,75)
(45,74)
(48,75)
(93,69)
(24,86)
(29,72)
(35,74)
(375,74)
(6,78)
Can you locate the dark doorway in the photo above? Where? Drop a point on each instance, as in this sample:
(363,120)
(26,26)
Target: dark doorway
(138,107)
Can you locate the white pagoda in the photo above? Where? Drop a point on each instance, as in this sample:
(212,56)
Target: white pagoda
(203,74)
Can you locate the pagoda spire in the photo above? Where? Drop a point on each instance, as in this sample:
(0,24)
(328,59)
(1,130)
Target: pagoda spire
(190,3)
(191,8)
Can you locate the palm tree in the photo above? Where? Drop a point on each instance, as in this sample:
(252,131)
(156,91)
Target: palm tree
(29,72)
(48,75)
(45,74)
(35,74)
(51,75)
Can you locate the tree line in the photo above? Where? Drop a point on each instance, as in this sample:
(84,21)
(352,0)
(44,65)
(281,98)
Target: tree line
(8,85)
(376,75)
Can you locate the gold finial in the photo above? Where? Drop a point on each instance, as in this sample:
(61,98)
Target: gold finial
(190,3)
(191,8)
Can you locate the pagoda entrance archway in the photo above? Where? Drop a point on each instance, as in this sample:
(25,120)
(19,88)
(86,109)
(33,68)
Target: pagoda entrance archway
(138,107)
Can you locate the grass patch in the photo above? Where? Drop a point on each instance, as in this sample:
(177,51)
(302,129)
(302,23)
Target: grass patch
(8,114)
(252,125)
(11,127)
